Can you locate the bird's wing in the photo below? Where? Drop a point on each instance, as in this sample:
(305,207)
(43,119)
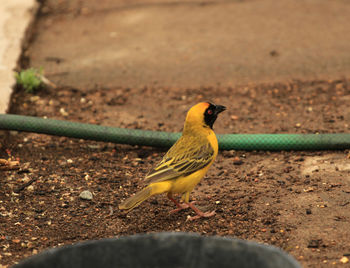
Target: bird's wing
(185,157)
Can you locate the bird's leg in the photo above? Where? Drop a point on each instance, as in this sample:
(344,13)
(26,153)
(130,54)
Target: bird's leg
(199,213)
(179,205)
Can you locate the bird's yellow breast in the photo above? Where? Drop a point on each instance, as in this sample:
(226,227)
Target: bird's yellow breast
(187,183)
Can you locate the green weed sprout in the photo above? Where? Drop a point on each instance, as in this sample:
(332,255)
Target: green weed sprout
(30,79)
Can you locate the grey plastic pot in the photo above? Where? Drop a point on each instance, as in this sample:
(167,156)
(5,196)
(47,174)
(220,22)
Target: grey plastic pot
(163,250)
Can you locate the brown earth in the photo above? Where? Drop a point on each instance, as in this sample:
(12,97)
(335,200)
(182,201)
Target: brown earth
(298,201)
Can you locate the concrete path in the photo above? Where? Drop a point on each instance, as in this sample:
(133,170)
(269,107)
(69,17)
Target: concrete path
(193,43)
(15,16)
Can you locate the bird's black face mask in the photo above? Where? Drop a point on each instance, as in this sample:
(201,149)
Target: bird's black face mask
(211,113)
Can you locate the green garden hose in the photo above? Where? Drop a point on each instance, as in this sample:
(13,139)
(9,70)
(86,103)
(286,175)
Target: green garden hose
(249,142)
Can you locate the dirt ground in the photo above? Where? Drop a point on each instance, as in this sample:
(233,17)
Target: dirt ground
(298,201)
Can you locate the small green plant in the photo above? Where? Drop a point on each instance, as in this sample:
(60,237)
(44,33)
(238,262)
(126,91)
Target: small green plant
(30,79)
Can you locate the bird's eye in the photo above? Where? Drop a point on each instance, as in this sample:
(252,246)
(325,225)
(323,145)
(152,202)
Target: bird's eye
(210,112)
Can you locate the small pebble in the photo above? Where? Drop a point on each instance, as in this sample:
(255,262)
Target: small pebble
(237,161)
(63,112)
(94,146)
(344,260)
(30,188)
(34,98)
(86,195)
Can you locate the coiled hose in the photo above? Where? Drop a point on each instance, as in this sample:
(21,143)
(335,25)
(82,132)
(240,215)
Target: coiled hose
(249,142)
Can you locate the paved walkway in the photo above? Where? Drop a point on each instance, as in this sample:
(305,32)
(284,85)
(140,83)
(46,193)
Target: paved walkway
(15,16)
(178,43)
(193,43)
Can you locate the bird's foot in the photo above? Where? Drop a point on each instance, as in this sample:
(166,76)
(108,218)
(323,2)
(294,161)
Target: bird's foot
(201,215)
(181,206)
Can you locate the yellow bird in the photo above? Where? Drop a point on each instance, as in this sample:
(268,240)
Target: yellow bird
(186,162)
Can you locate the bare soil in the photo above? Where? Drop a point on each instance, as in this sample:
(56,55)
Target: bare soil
(298,201)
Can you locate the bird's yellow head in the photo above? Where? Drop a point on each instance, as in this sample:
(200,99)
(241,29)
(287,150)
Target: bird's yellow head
(204,113)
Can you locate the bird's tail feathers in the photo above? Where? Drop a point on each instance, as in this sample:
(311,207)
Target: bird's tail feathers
(136,199)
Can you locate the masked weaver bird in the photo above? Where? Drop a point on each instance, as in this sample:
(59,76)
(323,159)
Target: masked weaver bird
(186,162)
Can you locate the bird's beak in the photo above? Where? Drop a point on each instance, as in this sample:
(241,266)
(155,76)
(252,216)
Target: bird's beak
(219,109)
